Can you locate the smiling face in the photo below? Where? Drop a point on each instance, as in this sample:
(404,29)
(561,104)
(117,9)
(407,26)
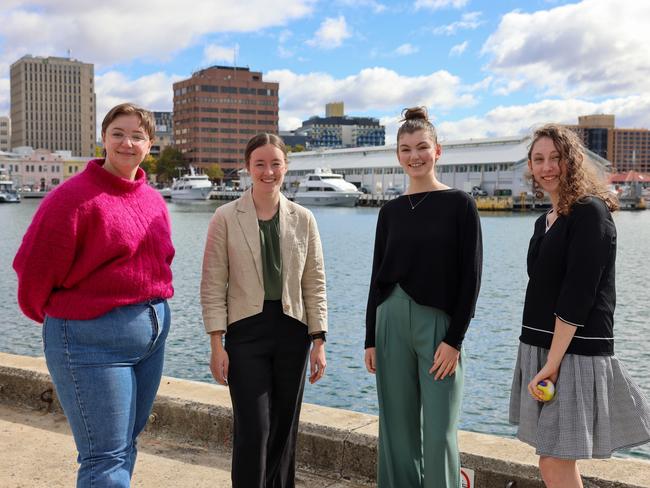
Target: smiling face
(546,166)
(417,153)
(127,144)
(267,166)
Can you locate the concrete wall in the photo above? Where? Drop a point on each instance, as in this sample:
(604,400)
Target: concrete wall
(331,441)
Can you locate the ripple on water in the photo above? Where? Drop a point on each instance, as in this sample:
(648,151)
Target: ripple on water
(491,345)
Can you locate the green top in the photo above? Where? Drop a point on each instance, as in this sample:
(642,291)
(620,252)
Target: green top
(271,257)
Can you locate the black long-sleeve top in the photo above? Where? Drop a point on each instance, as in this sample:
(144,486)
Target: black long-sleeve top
(571,276)
(434,252)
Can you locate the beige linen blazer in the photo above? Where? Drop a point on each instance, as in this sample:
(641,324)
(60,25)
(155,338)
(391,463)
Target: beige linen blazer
(232,286)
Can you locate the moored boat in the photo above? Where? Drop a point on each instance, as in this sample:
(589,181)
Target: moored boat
(322,187)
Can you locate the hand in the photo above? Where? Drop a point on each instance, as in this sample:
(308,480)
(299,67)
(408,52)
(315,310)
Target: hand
(317,362)
(219,365)
(445,361)
(371,360)
(549,372)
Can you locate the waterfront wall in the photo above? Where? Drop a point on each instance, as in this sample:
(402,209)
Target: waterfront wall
(334,442)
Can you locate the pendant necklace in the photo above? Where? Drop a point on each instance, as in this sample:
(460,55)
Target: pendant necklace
(419,201)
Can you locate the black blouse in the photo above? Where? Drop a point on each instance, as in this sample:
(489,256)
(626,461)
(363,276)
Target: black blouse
(571,276)
(434,252)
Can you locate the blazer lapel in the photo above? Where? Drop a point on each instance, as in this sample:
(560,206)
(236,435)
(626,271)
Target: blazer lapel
(247,218)
(288,224)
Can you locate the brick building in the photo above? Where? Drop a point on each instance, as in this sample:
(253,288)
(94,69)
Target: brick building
(218,110)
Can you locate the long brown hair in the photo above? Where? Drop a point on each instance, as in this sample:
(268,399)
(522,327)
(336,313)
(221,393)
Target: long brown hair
(579,178)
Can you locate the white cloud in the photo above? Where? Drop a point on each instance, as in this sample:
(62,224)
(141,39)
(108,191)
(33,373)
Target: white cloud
(372,89)
(331,33)
(152,91)
(4,96)
(591,48)
(521,119)
(213,53)
(468,21)
(458,49)
(376,7)
(439,4)
(406,49)
(122,30)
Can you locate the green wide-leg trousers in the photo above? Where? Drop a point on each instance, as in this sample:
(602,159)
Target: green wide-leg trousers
(418,416)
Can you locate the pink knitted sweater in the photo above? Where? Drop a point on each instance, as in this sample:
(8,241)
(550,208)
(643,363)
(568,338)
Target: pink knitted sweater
(96,242)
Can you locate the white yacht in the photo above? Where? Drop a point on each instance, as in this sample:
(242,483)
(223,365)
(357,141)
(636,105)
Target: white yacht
(8,193)
(322,187)
(191,187)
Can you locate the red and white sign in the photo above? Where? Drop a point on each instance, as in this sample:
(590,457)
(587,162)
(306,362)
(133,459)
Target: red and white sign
(467,478)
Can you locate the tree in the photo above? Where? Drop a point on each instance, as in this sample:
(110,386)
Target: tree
(169,163)
(297,148)
(149,165)
(214,172)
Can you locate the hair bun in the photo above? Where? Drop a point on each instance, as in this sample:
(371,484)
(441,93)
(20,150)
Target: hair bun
(415,113)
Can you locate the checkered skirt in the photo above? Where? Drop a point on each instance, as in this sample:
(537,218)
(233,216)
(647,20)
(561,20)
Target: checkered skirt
(596,410)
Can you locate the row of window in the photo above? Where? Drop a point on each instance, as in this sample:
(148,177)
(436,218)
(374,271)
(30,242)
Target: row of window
(223,150)
(225,101)
(242,111)
(223,120)
(222,140)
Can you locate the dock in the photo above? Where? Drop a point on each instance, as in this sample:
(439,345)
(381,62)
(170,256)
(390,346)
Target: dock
(188,439)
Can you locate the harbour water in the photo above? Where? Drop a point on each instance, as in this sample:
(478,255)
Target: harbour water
(347,235)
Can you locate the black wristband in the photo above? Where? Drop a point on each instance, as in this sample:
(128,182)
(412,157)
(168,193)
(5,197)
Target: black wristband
(318,335)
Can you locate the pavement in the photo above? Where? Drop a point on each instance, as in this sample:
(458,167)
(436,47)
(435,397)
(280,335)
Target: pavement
(38,451)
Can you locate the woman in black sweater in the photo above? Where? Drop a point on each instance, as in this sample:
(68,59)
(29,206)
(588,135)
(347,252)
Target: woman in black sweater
(568,322)
(425,281)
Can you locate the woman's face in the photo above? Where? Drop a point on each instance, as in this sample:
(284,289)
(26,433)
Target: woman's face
(267,167)
(546,165)
(127,144)
(417,153)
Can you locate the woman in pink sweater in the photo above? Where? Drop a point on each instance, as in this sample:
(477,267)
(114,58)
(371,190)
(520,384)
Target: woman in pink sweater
(95,269)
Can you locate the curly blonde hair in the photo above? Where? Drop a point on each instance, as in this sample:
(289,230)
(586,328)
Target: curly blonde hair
(579,179)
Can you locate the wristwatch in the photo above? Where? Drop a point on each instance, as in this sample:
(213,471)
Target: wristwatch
(318,335)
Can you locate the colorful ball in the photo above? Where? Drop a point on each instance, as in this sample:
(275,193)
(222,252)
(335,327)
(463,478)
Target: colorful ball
(547,388)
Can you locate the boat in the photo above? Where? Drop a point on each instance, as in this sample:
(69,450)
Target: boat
(322,187)
(8,193)
(191,187)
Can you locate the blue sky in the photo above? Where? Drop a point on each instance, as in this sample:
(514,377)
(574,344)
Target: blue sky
(482,68)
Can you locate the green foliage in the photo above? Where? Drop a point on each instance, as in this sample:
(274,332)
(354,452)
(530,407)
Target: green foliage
(214,172)
(297,148)
(169,163)
(149,165)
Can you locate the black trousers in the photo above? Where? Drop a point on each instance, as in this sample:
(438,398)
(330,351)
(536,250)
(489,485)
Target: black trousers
(268,360)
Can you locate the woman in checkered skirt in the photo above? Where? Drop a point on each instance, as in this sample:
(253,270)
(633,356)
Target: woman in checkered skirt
(568,322)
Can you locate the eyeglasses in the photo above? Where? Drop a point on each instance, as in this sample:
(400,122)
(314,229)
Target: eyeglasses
(134,138)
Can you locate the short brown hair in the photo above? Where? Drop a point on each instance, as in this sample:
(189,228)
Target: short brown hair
(415,119)
(263,139)
(146,117)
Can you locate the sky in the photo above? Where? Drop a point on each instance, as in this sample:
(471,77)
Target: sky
(482,68)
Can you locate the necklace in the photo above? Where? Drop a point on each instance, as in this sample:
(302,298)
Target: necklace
(419,201)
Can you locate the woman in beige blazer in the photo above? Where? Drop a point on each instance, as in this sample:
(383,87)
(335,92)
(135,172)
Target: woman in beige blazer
(263,288)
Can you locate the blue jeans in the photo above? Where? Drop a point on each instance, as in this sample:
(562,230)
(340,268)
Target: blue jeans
(106,372)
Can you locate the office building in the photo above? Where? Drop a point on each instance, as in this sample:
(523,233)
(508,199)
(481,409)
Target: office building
(164,132)
(5,133)
(334,109)
(218,110)
(339,131)
(53,105)
(626,149)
